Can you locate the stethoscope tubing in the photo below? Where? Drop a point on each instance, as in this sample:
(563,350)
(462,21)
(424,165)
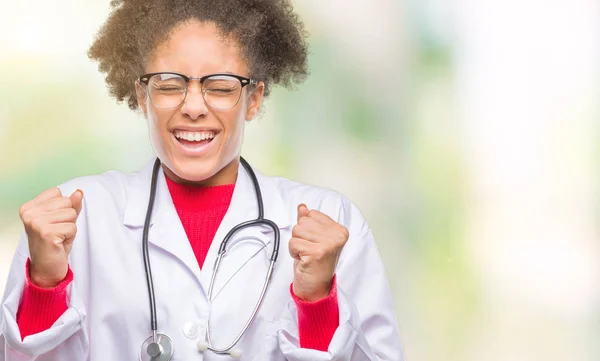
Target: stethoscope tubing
(148,268)
(260,220)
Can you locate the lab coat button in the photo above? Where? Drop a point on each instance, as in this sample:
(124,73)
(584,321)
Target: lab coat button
(191,330)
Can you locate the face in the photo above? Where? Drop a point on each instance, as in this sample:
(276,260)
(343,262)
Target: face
(195,142)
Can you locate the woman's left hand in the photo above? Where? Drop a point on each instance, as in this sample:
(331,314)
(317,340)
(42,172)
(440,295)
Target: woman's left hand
(316,244)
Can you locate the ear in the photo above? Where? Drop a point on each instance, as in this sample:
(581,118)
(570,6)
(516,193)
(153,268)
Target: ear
(140,92)
(255,100)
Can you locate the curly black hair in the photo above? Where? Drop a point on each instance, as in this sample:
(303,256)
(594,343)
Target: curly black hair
(271,36)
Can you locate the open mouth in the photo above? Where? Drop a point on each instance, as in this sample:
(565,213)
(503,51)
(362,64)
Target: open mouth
(194,139)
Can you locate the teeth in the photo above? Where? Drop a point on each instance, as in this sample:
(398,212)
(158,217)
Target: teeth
(194,136)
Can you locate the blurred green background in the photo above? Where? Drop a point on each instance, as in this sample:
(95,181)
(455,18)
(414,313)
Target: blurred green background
(466,131)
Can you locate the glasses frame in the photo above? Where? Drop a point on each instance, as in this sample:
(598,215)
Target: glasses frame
(145,79)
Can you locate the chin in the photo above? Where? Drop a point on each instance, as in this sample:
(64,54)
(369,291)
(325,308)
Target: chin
(194,175)
(193,170)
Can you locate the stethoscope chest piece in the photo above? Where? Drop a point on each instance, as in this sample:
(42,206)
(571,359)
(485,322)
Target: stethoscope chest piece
(161,350)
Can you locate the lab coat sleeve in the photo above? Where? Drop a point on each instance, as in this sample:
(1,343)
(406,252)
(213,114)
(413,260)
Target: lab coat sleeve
(67,339)
(368,327)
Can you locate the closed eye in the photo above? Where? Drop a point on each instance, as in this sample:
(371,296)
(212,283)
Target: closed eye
(220,90)
(170,89)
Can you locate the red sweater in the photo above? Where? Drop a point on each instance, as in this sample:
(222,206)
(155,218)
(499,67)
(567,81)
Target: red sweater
(201,210)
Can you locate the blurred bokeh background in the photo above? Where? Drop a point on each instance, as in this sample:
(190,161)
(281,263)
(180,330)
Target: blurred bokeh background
(467,131)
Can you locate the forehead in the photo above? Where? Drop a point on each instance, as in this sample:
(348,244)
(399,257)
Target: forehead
(197,49)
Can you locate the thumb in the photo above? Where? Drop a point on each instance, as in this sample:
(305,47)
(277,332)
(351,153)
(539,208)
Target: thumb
(302,210)
(77,200)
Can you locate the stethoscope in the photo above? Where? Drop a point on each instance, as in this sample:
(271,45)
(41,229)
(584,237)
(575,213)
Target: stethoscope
(159,347)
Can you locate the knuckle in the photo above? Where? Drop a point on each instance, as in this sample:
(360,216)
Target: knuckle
(313,213)
(295,231)
(55,192)
(22,210)
(72,214)
(293,246)
(72,230)
(344,233)
(26,216)
(341,243)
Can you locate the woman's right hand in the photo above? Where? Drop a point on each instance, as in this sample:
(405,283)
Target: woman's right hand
(49,221)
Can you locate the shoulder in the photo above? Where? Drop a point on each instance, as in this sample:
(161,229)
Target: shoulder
(331,202)
(111,182)
(294,189)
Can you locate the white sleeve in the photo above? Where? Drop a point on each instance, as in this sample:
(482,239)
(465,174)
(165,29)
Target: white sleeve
(368,328)
(65,340)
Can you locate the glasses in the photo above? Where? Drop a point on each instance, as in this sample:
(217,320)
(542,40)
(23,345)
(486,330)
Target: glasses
(220,91)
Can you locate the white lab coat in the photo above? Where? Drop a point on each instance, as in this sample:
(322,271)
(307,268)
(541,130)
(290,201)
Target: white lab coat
(108,314)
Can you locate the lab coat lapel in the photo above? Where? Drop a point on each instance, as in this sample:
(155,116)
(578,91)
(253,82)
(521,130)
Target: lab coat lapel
(169,233)
(166,231)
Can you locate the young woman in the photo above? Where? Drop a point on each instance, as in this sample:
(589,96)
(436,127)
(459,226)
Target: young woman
(155,265)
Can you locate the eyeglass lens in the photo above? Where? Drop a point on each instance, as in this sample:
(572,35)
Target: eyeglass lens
(219,91)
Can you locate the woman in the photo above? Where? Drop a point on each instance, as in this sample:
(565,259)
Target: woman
(81,284)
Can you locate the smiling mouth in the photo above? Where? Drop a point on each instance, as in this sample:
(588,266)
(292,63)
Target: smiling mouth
(194,139)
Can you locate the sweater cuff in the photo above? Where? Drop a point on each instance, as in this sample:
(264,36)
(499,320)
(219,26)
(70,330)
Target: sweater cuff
(41,307)
(317,321)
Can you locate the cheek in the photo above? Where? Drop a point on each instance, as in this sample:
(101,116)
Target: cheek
(236,125)
(153,120)
(157,128)
(234,121)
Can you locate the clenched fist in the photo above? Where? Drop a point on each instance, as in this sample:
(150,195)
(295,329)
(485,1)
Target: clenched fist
(316,244)
(49,221)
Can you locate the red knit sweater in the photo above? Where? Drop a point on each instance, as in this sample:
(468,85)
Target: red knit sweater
(201,210)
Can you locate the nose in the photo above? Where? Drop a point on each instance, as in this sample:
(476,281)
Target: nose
(194,105)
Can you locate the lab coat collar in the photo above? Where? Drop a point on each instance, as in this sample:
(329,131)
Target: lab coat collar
(243,201)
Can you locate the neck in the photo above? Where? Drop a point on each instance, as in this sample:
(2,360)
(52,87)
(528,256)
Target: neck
(226,175)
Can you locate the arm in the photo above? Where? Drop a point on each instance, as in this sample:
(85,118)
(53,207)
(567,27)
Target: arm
(368,326)
(66,339)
